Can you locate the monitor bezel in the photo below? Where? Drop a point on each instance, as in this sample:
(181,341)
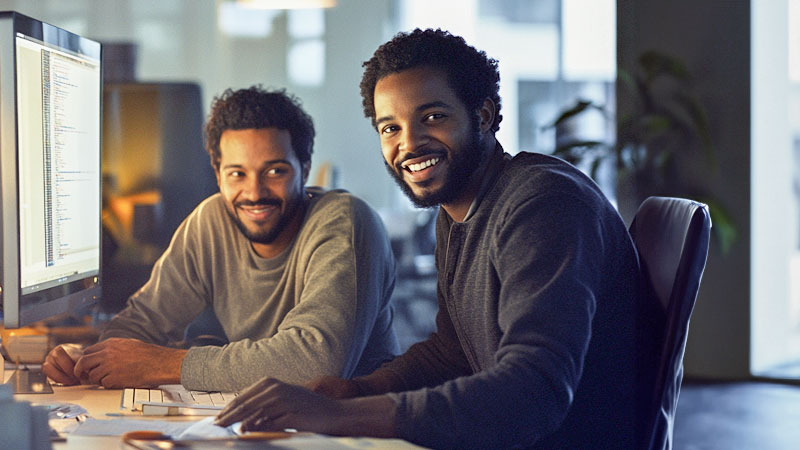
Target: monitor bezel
(74,294)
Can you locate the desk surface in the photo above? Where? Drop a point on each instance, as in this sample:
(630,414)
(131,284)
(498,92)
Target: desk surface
(98,402)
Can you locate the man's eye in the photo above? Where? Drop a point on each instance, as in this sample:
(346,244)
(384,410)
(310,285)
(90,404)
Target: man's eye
(276,171)
(235,174)
(388,129)
(433,117)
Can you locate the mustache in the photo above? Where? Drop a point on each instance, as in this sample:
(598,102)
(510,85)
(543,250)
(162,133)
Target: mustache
(259,202)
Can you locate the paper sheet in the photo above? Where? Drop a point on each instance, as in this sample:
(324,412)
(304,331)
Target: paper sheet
(117,427)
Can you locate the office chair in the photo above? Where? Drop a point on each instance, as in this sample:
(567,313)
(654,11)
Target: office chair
(671,236)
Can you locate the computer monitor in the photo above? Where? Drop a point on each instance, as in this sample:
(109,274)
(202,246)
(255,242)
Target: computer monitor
(50,177)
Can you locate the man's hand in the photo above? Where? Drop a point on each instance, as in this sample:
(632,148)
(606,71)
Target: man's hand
(270,405)
(334,387)
(120,362)
(60,364)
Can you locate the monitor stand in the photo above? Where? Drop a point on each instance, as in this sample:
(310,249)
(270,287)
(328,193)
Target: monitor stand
(29,381)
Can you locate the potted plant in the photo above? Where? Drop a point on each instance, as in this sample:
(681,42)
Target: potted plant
(659,123)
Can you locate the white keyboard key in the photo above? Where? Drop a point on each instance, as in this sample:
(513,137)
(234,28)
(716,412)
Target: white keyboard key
(184,397)
(229,396)
(156,395)
(140,395)
(217,399)
(201,398)
(127,399)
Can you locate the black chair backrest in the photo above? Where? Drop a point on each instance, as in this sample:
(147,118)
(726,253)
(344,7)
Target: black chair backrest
(671,236)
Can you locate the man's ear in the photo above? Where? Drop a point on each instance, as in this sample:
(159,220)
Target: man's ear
(306,170)
(487,112)
(216,174)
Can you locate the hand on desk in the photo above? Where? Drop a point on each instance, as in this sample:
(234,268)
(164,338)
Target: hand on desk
(117,363)
(59,365)
(271,405)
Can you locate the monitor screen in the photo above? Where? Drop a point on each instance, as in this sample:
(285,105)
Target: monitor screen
(50,127)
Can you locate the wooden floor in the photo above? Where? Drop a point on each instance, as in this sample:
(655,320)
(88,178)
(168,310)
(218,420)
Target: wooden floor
(741,415)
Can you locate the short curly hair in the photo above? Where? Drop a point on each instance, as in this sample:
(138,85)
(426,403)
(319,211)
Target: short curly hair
(470,73)
(258,108)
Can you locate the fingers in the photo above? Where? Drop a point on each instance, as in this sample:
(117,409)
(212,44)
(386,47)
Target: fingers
(271,405)
(258,421)
(85,365)
(236,413)
(250,392)
(100,375)
(58,366)
(248,403)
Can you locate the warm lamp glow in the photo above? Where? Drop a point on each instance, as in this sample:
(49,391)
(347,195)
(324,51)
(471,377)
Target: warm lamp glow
(286,4)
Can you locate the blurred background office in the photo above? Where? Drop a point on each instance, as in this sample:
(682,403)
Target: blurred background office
(170,57)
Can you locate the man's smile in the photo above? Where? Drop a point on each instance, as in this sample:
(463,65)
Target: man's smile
(423,168)
(259,211)
(416,167)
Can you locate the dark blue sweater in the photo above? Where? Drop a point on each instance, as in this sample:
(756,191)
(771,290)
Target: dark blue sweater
(536,331)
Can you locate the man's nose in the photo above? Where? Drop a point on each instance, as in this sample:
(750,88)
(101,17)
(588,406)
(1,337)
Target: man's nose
(414,137)
(257,188)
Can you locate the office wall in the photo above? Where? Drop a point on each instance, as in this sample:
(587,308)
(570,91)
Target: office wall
(713,38)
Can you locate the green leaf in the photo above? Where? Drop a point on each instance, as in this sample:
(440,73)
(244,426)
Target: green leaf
(654,63)
(654,125)
(577,147)
(701,126)
(626,79)
(578,108)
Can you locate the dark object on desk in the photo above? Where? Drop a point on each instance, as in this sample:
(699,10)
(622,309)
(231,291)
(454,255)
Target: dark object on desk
(29,381)
(671,236)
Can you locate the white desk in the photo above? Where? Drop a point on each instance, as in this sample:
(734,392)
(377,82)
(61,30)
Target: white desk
(98,401)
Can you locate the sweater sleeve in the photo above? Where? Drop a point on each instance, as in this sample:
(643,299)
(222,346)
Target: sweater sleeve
(428,363)
(547,266)
(174,295)
(346,282)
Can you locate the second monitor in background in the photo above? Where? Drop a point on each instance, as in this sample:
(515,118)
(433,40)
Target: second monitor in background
(155,171)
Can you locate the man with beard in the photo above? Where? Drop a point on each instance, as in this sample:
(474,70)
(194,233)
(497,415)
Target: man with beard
(538,282)
(300,279)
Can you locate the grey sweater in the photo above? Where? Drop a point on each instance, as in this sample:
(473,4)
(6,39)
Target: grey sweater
(535,340)
(321,307)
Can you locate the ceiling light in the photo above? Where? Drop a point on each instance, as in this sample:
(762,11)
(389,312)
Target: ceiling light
(286,4)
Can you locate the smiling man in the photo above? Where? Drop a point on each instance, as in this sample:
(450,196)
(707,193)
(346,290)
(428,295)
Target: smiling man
(539,340)
(300,279)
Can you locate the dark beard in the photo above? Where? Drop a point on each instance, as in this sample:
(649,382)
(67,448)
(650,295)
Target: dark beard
(456,179)
(267,236)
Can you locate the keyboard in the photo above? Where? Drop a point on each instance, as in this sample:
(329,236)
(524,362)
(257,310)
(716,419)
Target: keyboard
(174,400)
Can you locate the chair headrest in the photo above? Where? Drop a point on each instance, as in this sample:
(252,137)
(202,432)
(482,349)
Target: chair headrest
(661,229)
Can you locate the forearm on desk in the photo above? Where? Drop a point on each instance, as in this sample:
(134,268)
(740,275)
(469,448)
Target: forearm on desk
(120,362)
(294,356)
